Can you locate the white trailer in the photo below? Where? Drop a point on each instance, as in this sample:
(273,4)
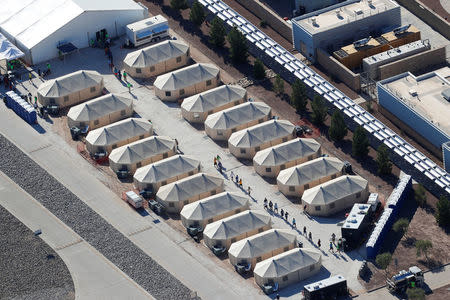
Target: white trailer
(134,199)
(147,31)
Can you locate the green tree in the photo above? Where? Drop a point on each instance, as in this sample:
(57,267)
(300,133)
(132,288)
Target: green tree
(420,195)
(383,260)
(319,110)
(360,145)
(278,85)
(238,46)
(197,14)
(383,161)
(178,4)
(258,70)
(217,32)
(415,294)
(338,129)
(298,96)
(401,226)
(443,211)
(423,247)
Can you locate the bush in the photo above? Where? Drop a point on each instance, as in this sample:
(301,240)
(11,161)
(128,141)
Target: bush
(423,247)
(217,33)
(238,46)
(298,96)
(197,14)
(338,129)
(360,145)
(319,110)
(383,161)
(415,294)
(278,85)
(420,195)
(178,4)
(401,226)
(383,260)
(443,212)
(258,70)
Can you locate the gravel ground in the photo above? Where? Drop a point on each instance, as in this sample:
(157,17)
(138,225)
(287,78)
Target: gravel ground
(88,224)
(29,268)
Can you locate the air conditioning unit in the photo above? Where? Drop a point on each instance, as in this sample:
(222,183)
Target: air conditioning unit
(413,92)
(313,21)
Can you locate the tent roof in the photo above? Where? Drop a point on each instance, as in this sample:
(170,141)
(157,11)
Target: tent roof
(213,206)
(287,262)
(237,115)
(99,107)
(286,152)
(185,77)
(237,224)
(334,190)
(188,187)
(155,54)
(166,168)
(142,149)
(261,243)
(261,133)
(310,171)
(8,50)
(70,83)
(119,131)
(213,98)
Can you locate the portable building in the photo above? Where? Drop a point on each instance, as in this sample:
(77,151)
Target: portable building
(227,231)
(213,208)
(141,153)
(186,82)
(269,162)
(261,246)
(295,180)
(165,171)
(288,268)
(188,190)
(109,137)
(196,108)
(356,225)
(100,111)
(70,89)
(220,125)
(156,59)
(335,195)
(245,143)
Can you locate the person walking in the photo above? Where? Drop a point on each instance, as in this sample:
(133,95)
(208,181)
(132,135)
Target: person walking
(310,236)
(176,145)
(304,209)
(219,165)
(30,77)
(265,203)
(282,213)
(275,207)
(48,68)
(331,247)
(215,162)
(218,157)
(120,76)
(270,205)
(277,297)
(304,230)
(125,76)
(286,214)
(333,237)
(294,223)
(39,73)
(249,190)
(232,175)
(129,87)
(237,179)
(318,243)
(240,183)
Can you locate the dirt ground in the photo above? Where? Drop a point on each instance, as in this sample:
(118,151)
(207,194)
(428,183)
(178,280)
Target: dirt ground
(441,293)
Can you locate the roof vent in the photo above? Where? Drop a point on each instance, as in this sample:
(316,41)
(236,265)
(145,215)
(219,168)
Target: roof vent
(313,21)
(339,15)
(413,92)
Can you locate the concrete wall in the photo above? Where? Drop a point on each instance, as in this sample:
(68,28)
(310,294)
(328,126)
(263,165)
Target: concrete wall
(446,156)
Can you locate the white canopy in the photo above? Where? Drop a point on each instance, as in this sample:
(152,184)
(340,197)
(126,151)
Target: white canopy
(8,50)
(142,149)
(286,152)
(70,83)
(334,190)
(185,77)
(261,133)
(310,171)
(213,98)
(99,107)
(155,54)
(238,115)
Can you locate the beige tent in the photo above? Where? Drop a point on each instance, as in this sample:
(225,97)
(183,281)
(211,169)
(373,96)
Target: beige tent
(227,231)
(196,108)
(261,246)
(70,89)
(188,190)
(269,162)
(288,268)
(156,59)
(213,208)
(335,195)
(100,111)
(141,153)
(107,138)
(295,180)
(220,125)
(186,82)
(245,143)
(165,171)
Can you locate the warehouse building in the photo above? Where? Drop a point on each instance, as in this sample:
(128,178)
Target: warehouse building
(269,162)
(186,82)
(220,125)
(156,59)
(44,29)
(195,109)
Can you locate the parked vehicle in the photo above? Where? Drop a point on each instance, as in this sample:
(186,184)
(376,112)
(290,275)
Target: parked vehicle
(404,279)
(147,31)
(134,199)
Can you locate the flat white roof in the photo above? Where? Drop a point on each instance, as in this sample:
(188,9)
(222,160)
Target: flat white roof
(356,216)
(396,52)
(158,19)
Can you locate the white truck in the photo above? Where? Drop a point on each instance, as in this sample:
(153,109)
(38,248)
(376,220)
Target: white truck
(149,30)
(404,279)
(134,199)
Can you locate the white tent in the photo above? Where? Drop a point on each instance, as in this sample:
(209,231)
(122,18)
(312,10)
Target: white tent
(37,27)
(165,171)
(220,125)
(261,246)
(141,153)
(156,59)
(293,181)
(245,143)
(188,190)
(335,195)
(224,232)
(8,50)
(196,108)
(100,111)
(212,209)
(107,138)
(269,162)
(288,268)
